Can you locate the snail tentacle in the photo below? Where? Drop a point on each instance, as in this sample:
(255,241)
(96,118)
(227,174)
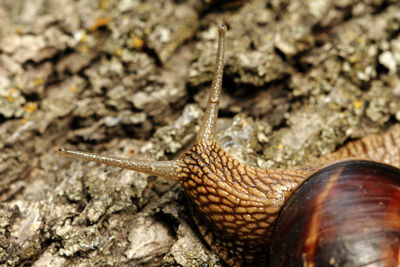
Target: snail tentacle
(167,169)
(206,134)
(208,125)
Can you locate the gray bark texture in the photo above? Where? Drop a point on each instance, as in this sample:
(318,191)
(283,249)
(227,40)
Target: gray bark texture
(130,78)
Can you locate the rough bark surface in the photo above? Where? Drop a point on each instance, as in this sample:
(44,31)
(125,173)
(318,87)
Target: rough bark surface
(130,78)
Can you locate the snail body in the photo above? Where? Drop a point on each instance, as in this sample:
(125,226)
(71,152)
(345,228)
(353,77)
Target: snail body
(236,206)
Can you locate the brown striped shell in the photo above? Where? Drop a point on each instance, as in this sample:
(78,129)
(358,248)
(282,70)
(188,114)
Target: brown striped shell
(347,214)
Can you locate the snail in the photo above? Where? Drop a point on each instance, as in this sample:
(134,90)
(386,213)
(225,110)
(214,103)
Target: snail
(277,217)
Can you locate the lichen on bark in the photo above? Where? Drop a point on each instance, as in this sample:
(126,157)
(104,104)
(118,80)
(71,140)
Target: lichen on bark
(130,78)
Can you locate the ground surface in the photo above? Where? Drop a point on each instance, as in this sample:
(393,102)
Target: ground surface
(130,78)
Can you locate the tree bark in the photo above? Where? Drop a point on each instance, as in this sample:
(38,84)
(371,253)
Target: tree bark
(130,78)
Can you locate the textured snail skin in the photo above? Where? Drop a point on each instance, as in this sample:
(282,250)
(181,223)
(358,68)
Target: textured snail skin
(235,206)
(347,214)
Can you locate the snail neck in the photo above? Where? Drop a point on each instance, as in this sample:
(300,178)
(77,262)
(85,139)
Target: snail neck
(236,204)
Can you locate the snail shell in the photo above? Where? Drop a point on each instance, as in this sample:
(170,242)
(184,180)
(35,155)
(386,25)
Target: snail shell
(347,214)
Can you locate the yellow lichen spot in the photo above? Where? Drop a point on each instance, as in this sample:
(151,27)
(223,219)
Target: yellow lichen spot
(360,39)
(101,22)
(103,4)
(73,88)
(358,104)
(83,37)
(24,120)
(280,146)
(38,81)
(18,30)
(30,107)
(335,106)
(11,94)
(118,53)
(353,59)
(137,43)
(269,37)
